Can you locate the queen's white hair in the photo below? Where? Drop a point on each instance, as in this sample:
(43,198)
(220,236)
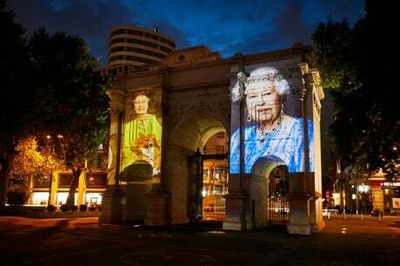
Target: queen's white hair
(260,76)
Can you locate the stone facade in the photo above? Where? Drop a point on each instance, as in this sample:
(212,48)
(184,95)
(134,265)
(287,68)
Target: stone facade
(191,100)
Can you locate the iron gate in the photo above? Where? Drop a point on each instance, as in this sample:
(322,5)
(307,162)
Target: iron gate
(277,202)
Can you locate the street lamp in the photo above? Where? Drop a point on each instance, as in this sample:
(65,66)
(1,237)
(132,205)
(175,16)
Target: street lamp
(363,189)
(51,159)
(49,153)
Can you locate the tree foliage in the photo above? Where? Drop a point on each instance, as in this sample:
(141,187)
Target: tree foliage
(28,161)
(73,98)
(356,68)
(15,95)
(52,91)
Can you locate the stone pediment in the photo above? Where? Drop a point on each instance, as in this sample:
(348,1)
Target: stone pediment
(190,56)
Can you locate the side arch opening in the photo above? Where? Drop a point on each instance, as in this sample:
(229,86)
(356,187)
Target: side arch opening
(269,189)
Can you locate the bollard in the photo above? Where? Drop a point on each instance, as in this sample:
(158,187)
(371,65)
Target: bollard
(345,216)
(379,217)
(362,217)
(329,215)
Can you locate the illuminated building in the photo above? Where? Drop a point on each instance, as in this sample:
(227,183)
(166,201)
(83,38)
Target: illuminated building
(382,194)
(368,194)
(155,166)
(89,191)
(131,47)
(53,188)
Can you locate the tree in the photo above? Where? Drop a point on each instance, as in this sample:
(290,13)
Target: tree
(15,95)
(49,88)
(356,68)
(73,98)
(27,163)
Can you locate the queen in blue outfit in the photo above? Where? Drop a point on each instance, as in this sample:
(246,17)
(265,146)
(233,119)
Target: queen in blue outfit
(269,132)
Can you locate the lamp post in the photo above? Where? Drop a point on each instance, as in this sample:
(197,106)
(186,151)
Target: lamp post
(48,138)
(50,164)
(363,189)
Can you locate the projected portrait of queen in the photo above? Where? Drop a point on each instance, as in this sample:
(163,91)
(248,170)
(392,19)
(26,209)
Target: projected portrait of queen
(269,131)
(142,135)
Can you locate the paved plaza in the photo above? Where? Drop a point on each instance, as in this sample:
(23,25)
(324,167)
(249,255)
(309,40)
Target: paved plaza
(82,241)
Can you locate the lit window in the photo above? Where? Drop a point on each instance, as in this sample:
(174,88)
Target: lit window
(40,198)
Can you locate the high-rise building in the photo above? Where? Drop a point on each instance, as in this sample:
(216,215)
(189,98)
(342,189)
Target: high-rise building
(135,46)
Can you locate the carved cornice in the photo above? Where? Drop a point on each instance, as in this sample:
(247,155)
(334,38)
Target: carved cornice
(202,86)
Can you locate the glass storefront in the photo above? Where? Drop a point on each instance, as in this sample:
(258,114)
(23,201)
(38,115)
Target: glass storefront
(62,198)
(391,193)
(93,198)
(40,198)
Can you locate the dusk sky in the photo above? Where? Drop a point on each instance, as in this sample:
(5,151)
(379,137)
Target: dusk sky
(226,26)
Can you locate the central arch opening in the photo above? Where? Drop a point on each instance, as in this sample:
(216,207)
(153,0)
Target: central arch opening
(197,170)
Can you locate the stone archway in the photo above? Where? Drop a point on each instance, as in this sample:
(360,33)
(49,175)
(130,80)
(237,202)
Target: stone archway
(179,180)
(261,171)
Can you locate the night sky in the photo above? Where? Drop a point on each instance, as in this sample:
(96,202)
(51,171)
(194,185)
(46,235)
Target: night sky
(227,26)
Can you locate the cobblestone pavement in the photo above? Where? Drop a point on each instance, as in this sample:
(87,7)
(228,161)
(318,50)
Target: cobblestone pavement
(82,241)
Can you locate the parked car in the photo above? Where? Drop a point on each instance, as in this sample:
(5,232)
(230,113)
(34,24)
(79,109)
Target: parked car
(327,212)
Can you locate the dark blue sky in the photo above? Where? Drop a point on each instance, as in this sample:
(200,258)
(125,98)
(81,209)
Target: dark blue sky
(227,26)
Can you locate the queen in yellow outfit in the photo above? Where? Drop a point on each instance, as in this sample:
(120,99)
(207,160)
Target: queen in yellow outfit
(142,136)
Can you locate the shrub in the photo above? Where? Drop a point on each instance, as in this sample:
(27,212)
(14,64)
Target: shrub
(64,208)
(51,208)
(17,197)
(92,208)
(83,207)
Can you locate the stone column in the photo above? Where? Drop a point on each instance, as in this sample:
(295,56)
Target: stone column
(299,219)
(112,208)
(305,196)
(81,188)
(235,212)
(237,200)
(158,199)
